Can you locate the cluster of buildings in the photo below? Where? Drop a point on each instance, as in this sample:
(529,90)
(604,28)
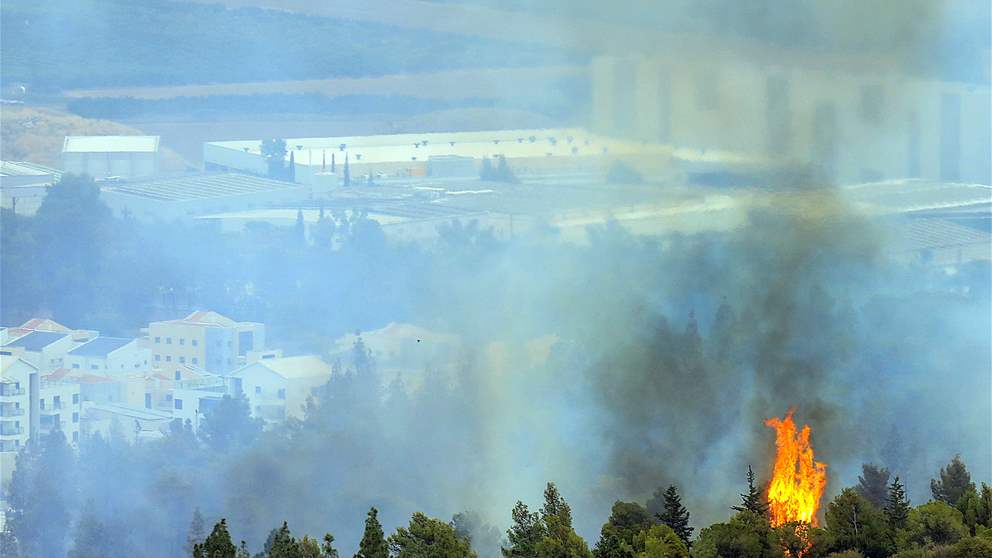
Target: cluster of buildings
(82,382)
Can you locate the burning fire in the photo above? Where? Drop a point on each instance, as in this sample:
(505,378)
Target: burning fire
(798,481)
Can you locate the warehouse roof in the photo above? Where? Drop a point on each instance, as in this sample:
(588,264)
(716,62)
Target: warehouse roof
(911,195)
(100,347)
(199,186)
(110,144)
(36,340)
(392,148)
(24,168)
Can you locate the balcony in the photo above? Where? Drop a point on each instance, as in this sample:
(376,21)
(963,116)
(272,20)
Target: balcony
(11,412)
(53,409)
(11,391)
(10,430)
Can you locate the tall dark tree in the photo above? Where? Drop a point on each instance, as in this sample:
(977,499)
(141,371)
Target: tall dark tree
(291,169)
(328,545)
(896,505)
(218,544)
(39,496)
(560,539)
(525,533)
(676,516)
(873,484)
(346,178)
(228,425)
(753,501)
(954,482)
(197,531)
(373,543)
(854,523)
(92,539)
(618,536)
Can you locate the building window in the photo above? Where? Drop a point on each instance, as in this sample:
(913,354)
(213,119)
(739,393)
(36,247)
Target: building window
(41,403)
(178,404)
(258,390)
(76,366)
(168,358)
(196,360)
(282,393)
(75,417)
(179,376)
(182,340)
(158,358)
(148,401)
(75,398)
(182,359)
(57,402)
(194,342)
(94,367)
(168,340)
(75,436)
(158,339)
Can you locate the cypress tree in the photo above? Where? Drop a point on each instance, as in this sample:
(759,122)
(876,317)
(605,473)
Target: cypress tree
(752,501)
(676,516)
(291,171)
(896,505)
(872,484)
(347,172)
(373,543)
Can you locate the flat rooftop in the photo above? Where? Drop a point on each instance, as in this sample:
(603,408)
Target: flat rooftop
(100,347)
(395,148)
(36,340)
(24,168)
(110,144)
(199,186)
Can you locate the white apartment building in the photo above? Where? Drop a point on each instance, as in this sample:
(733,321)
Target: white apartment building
(43,349)
(278,388)
(18,411)
(110,356)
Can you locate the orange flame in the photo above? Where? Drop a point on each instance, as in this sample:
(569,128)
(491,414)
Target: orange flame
(798,481)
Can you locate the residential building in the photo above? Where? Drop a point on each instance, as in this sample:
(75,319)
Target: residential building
(45,324)
(110,356)
(191,400)
(278,388)
(19,386)
(45,350)
(60,407)
(203,339)
(111,156)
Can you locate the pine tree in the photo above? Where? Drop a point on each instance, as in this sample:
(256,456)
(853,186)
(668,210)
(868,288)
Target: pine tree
(954,482)
(197,531)
(283,544)
(291,170)
(753,501)
(896,505)
(873,484)
(525,533)
(328,546)
(373,543)
(676,516)
(218,544)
